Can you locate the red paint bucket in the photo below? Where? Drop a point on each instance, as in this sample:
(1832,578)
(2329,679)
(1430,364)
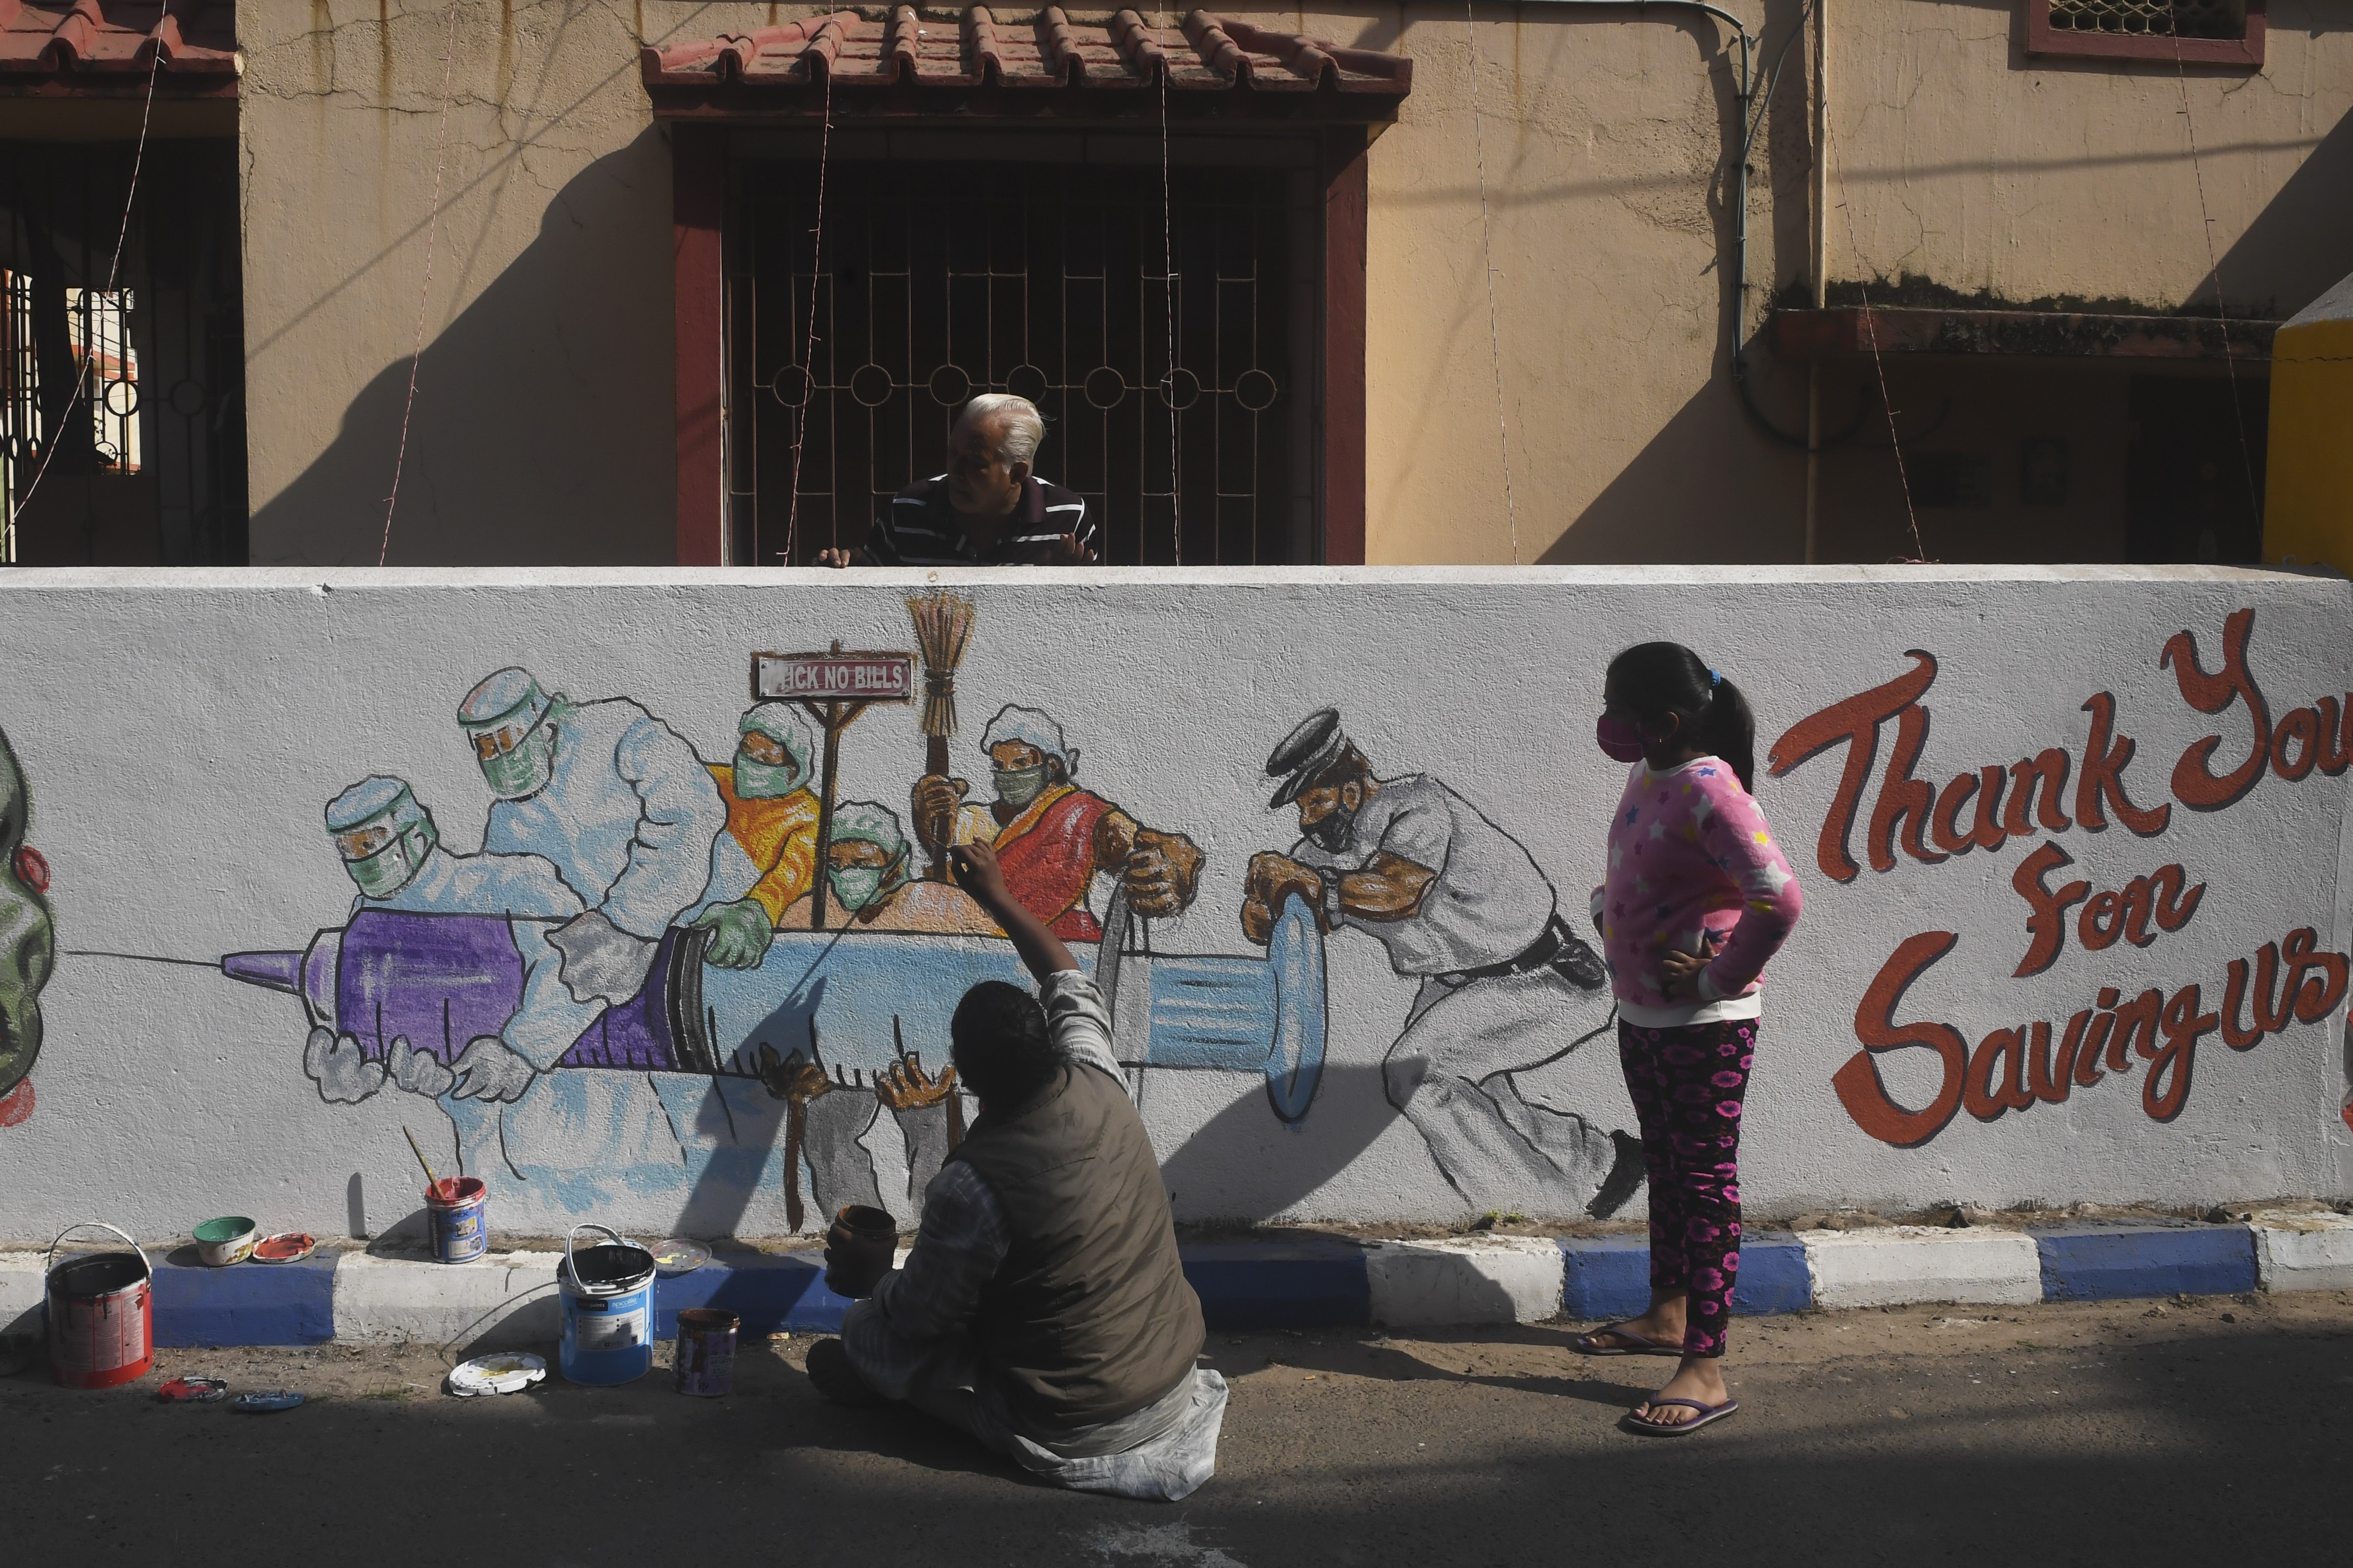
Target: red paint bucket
(461,1231)
(101,1314)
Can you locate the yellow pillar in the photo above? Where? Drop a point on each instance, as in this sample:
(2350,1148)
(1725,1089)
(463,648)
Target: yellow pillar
(2308,474)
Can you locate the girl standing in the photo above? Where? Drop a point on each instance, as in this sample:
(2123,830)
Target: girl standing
(1698,897)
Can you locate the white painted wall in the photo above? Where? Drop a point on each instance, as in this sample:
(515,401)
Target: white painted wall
(181,732)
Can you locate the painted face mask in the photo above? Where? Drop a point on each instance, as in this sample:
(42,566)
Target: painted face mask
(1332,830)
(516,767)
(388,870)
(1017,787)
(1619,741)
(764,781)
(858,886)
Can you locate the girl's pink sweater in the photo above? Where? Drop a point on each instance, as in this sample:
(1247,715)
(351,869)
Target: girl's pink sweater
(1691,860)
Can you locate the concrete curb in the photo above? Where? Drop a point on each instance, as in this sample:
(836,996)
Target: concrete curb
(1296,1283)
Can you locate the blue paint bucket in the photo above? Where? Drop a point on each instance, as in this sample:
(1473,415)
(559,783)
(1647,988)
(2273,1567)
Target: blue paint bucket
(607,1291)
(462,1230)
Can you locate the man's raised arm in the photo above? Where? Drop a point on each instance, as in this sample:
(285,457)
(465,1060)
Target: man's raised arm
(977,873)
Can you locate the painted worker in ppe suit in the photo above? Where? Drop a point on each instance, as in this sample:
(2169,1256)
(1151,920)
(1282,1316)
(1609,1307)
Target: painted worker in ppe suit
(768,856)
(616,800)
(393,853)
(870,885)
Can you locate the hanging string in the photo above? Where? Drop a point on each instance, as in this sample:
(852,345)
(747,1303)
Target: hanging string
(1487,265)
(1168,280)
(808,344)
(2214,268)
(83,371)
(1879,365)
(425,290)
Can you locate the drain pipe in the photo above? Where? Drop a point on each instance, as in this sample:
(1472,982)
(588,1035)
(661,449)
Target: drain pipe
(1822,225)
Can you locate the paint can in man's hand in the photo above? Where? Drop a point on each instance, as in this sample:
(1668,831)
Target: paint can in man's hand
(101,1314)
(704,1362)
(859,1250)
(458,1206)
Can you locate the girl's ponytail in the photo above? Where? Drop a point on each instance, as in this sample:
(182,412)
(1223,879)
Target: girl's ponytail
(1728,729)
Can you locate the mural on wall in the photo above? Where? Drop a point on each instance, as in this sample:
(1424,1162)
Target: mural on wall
(2014,1067)
(1505,986)
(27,940)
(643,984)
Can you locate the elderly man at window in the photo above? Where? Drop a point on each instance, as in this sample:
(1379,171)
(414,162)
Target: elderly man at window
(988,508)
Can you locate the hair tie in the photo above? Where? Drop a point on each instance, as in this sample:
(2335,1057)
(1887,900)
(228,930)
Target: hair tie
(1714,679)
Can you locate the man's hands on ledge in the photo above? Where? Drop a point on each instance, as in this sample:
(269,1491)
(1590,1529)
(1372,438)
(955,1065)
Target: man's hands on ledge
(1064,549)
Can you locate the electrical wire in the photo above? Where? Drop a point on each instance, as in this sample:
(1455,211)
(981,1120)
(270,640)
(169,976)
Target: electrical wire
(2214,268)
(1487,267)
(1168,280)
(425,290)
(808,348)
(1879,365)
(82,373)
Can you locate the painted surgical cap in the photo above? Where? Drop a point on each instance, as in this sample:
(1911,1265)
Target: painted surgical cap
(1031,727)
(874,823)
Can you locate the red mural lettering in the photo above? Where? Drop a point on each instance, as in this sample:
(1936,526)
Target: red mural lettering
(2101,923)
(1858,1083)
(2315,996)
(2234,993)
(2138,1017)
(1856,722)
(2174,907)
(2195,784)
(2166,1088)
(2049,768)
(2047,1080)
(2047,920)
(2301,725)
(2088,1058)
(2102,782)
(1902,798)
(1997,1081)
(2271,1020)
(2158,897)
(2335,745)
(1986,785)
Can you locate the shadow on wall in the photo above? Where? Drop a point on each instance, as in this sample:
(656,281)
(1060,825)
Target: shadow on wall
(542,432)
(2301,243)
(1243,1164)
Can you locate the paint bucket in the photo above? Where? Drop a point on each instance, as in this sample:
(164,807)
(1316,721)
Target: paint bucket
(224,1241)
(101,1314)
(461,1233)
(860,1249)
(704,1364)
(607,1293)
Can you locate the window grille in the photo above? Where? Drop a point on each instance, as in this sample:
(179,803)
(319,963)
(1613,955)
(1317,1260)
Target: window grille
(20,401)
(2151,18)
(97,330)
(941,281)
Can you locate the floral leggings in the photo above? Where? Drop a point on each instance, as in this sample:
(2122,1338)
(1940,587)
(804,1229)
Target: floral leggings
(1687,1086)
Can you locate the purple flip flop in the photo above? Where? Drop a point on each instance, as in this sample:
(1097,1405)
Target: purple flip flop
(1584,1343)
(1707,1413)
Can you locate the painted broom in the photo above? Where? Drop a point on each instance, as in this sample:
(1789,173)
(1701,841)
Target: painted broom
(943,628)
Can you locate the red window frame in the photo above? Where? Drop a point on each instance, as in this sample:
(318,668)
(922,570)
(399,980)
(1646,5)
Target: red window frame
(2042,38)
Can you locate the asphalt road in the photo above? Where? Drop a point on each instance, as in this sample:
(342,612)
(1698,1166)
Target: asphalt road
(2103,1434)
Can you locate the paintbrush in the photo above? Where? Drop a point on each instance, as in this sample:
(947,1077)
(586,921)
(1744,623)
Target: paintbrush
(431,1181)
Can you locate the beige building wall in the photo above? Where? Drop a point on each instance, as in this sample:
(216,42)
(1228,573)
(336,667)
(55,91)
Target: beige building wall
(542,423)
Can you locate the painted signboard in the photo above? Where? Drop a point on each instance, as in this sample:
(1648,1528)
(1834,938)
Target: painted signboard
(505,861)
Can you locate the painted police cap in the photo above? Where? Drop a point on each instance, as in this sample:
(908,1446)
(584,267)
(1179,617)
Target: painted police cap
(1305,753)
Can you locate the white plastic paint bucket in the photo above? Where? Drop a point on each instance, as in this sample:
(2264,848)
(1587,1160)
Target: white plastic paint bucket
(607,1292)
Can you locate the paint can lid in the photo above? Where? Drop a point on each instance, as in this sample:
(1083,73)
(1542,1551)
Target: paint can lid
(510,1371)
(262,1403)
(193,1390)
(286,1246)
(675,1254)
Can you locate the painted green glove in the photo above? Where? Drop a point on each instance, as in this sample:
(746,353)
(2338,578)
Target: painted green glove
(741,933)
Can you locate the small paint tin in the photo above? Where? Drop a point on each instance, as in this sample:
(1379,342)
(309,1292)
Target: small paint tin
(704,1362)
(511,1372)
(286,1246)
(224,1241)
(457,1206)
(194,1390)
(264,1404)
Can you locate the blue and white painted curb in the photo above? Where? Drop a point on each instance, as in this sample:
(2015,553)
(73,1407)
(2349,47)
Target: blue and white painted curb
(1307,1282)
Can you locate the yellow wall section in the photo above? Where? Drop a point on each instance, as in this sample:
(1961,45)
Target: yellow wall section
(2308,482)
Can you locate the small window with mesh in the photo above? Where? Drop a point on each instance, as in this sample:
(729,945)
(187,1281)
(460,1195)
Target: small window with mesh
(2227,32)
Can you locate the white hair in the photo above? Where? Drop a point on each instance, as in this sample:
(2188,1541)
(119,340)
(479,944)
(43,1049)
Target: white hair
(1024,427)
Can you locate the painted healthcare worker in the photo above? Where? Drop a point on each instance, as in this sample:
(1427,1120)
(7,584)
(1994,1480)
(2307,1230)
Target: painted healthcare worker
(768,856)
(393,853)
(870,886)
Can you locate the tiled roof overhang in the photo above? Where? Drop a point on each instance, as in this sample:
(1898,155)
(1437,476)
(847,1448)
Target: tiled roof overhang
(90,48)
(1214,68)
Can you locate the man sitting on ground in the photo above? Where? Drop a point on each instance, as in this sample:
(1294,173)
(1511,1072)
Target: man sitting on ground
(1043,1309)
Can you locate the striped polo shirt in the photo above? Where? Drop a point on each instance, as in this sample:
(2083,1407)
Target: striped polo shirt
(920,528)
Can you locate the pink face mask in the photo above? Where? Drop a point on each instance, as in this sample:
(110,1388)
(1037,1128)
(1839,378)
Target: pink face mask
(1618,740)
